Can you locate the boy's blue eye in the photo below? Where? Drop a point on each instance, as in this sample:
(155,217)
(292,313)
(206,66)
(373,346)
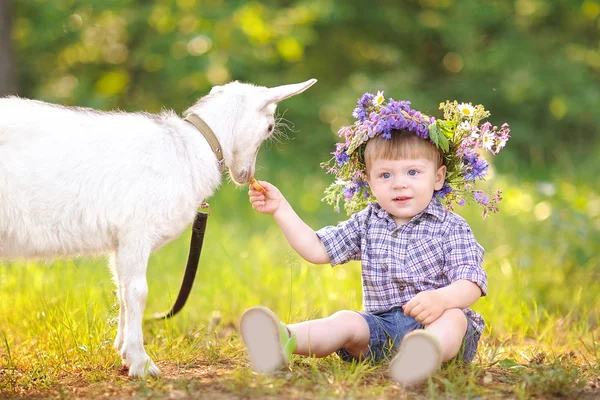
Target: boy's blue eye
(413,172)
(386,175)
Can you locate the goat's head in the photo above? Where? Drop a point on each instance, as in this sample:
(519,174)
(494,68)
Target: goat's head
(243,117)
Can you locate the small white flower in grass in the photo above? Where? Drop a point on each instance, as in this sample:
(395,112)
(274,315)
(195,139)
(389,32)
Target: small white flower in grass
(377,100)
(466,109)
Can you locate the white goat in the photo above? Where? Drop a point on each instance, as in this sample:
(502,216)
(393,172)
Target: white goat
(80,181)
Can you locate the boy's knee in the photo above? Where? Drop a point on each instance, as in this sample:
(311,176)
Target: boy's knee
(356,331)
(351,320)
(344,316)
(456,315)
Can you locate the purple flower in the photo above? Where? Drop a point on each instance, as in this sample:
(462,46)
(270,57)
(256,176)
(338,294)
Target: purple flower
(348,192)
(341,157)
(368,127)
(360,112)
(480,197)
(475,167)
(444,191)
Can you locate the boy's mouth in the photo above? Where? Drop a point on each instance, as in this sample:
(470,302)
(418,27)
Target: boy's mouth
(401,199)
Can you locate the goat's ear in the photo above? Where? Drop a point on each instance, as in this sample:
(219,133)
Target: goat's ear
(279,93)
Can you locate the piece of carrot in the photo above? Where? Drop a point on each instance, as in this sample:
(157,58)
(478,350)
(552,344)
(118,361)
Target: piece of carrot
(255,185)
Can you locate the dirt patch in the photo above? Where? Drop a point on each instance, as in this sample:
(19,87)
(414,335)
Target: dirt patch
(223,380)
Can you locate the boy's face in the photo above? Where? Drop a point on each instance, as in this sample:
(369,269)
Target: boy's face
(405,187)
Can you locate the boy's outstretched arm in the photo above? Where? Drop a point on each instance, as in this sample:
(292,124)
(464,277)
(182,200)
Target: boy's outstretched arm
(301,237)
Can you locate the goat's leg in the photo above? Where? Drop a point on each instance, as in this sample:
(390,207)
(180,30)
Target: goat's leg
(131,265)
(118,344)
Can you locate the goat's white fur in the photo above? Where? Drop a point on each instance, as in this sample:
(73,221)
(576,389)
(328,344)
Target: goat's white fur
(80,181)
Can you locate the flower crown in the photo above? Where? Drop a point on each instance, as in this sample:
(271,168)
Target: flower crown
(458,135)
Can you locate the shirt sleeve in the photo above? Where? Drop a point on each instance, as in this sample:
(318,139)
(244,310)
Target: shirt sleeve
(464,257)
(342,242)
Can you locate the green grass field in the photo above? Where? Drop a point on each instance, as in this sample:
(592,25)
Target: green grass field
(58,319)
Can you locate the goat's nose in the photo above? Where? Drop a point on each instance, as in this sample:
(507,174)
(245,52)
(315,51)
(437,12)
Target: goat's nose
(244,175)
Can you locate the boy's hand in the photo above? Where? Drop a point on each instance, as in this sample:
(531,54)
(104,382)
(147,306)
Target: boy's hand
(425,307)
(266,201)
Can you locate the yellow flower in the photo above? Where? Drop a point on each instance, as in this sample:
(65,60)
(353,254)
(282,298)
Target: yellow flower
(379,98)
(466,109)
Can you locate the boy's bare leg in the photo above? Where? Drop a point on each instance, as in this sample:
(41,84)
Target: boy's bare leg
(342,330)
(450,328)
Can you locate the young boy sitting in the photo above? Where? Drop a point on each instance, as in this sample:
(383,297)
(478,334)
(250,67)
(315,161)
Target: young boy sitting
(421,265)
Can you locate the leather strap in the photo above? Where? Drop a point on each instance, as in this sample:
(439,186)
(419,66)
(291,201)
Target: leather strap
(198,229)
(210,137)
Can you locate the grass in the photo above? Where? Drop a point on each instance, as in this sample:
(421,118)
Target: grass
(57,320)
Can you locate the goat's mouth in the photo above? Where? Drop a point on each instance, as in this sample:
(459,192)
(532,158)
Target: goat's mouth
(242,177)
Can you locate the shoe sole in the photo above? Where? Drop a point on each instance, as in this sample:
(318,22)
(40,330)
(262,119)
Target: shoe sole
(418,358)
(259,328)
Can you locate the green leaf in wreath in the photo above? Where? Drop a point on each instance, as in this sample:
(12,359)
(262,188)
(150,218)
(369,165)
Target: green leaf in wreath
(433,132)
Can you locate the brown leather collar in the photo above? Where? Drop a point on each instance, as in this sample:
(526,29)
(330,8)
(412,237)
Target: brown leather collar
(210,137)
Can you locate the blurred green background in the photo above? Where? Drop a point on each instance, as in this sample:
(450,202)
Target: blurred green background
(533,63)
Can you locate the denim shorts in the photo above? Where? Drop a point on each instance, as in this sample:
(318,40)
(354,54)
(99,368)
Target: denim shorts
(388,327)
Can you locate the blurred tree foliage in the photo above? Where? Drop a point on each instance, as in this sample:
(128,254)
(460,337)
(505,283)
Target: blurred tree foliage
(533,63)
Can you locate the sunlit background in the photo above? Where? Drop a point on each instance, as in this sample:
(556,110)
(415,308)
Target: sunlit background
(534,64)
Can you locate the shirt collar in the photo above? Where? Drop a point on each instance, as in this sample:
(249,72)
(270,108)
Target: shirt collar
(434,208)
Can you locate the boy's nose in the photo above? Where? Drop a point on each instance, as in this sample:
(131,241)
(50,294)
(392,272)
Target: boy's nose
(400,184)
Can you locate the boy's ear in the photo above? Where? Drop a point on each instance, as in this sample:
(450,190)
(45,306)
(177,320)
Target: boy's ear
(440,177)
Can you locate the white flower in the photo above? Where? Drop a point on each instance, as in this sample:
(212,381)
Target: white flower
(464,126)
(487,141)
(377,100)
(466,109)
(475,133)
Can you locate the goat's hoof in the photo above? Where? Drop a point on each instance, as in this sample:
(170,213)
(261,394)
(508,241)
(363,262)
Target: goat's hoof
(144,369)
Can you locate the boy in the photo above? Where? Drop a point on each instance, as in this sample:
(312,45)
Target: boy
(421,266)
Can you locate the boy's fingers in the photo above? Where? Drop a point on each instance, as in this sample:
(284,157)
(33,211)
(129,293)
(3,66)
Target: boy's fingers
(416,311)
(422,316)
(409,306)
(253,196)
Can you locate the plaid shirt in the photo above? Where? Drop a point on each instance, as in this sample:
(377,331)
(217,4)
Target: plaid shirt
(432,250)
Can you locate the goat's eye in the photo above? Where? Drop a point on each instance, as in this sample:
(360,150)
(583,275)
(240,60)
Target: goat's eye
(270,128)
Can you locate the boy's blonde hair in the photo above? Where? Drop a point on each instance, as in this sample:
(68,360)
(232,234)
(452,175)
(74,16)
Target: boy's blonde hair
(402,145)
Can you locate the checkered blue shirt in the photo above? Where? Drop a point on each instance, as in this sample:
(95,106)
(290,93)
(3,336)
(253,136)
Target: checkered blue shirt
(432,250)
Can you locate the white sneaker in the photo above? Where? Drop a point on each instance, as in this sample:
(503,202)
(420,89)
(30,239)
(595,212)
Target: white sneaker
(419,357)
(266,339)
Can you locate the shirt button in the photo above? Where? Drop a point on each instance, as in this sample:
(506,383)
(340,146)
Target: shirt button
(402,287)
(394,234)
